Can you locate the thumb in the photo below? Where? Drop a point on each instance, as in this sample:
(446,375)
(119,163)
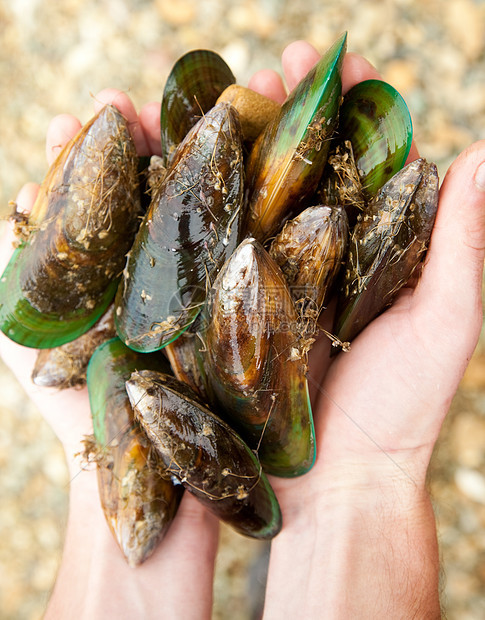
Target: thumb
(448,295)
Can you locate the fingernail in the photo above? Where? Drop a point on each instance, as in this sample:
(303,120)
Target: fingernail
(480,177)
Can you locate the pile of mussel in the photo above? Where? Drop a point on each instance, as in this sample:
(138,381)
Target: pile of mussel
(197,310)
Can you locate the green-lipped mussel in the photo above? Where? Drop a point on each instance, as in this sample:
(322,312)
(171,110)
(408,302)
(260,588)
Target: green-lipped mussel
(309,250)
(246,353)
(205,454)
(139,499)
(63,277)
(256,372)
(386,246)
(288,158)
(376,120)
(192,225)
(191,90)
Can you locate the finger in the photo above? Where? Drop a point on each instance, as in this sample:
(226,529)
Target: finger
(297,60)
(356,69)
(150,124)
(448,295)
(124,104)
(61,130)
(269,84)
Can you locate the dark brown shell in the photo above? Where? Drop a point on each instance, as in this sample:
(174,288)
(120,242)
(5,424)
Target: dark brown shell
(192,225)
(137,495)
(309,251)
(61,280)
(386,246)
(255,365)
(205,454)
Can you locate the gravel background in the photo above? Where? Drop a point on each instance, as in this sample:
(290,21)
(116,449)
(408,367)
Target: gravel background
(54,57)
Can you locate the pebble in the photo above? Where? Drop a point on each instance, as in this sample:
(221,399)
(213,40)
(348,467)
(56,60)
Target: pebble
(471,483)
(468,440)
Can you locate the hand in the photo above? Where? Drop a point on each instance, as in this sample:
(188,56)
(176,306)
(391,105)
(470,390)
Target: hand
(94,580)
(378,411)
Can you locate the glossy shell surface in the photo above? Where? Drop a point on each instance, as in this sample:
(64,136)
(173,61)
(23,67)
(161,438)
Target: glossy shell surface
(376,120)
(288,158)
(63,277)
(192,88)
(205,454)
(191,227)
(256,372)
(386,246)
(138,497)
(309,251)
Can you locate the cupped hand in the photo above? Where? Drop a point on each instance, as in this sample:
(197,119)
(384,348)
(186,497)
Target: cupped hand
(379,408)
(381,405)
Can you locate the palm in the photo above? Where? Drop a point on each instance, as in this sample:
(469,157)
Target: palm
(380,406)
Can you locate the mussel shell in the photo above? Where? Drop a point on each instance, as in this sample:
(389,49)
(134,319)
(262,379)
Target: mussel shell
(62,279)
(186,362)
(256,372)
(192,89)
(205,454)
(376,120)
(137,495)
(65,366)
(288,158)
(309,251)
(386,246)
(192,225)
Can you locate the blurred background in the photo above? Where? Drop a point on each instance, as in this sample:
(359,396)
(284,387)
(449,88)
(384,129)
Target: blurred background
(54,57)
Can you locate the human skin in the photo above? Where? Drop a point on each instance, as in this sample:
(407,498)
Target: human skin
(359,535)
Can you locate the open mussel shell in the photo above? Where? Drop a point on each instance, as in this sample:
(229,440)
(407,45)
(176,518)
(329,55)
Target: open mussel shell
(192,89)
(309,251)
(255,367)
(386,246)
(205,454)
(288,158)
(376,120)
(66,366)
(63,277)
(192,225)
(137,495)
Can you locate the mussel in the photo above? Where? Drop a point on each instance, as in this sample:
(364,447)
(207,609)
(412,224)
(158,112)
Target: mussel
(386,246)
(376,120)
(137,494)
(191,90)
(192,225)
(309,251)
(205,454)
(63,277)
(254,363)
(288,158)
